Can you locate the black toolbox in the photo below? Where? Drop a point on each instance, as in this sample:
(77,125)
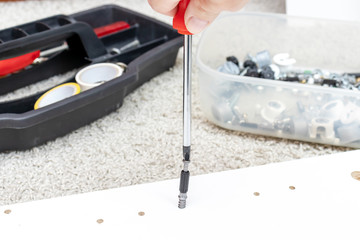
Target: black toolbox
(22,127)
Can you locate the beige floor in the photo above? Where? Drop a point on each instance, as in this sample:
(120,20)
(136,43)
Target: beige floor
(142,141)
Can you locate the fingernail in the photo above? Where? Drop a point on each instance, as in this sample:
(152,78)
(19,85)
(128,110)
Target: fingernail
(195,25)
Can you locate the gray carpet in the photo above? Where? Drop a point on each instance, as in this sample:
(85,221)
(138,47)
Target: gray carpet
(142,141)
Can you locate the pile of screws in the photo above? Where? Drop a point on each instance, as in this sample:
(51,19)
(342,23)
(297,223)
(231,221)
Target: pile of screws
(286,111)
(260,66)
(281,67)
(283,112)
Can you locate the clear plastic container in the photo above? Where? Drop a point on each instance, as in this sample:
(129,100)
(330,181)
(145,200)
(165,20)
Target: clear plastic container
(283,109)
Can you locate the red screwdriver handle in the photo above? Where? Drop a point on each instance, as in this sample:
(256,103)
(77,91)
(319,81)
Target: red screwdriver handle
(179,19)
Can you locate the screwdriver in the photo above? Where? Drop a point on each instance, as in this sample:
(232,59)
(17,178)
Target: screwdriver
(179,24)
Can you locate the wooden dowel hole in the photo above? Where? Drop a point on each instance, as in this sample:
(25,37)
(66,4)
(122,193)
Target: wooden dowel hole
(356,175)
(8,211)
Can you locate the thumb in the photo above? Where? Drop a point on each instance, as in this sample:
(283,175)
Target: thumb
(199,14)
(167,7)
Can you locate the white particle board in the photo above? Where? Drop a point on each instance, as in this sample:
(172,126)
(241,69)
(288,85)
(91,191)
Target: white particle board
(329,9)
(324,205)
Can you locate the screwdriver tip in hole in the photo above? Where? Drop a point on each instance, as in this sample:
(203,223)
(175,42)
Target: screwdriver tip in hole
(182,200)
(182,204)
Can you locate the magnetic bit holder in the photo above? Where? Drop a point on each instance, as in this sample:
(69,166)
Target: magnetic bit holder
(184,178)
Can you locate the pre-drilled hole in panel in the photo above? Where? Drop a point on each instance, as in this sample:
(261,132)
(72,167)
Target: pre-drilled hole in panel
(356,175)
(8,211)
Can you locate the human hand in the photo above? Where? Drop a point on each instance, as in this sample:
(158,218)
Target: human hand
(199,13)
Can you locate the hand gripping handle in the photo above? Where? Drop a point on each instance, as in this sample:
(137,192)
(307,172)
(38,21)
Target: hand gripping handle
(179,19)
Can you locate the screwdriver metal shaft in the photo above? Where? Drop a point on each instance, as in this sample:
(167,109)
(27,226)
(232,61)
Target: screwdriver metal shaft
(185,174)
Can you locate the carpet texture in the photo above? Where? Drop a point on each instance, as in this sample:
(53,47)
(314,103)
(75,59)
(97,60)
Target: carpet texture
(142,141)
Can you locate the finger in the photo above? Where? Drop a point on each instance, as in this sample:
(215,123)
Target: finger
(199,15)
(167,7)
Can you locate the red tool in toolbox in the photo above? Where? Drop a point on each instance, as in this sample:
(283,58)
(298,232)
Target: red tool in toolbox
(15,64)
